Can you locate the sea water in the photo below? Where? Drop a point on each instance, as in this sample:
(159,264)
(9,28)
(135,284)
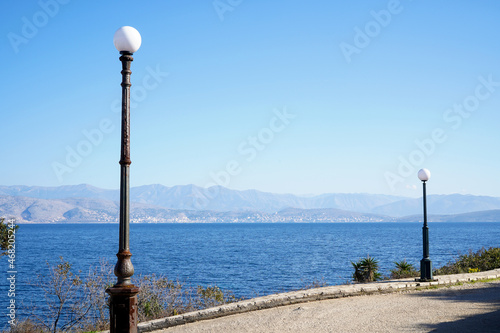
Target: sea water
(248,259)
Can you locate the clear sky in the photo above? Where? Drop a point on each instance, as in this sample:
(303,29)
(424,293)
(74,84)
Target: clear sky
(303,97)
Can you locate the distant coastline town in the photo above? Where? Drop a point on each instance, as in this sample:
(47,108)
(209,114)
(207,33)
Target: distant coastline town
(161,204)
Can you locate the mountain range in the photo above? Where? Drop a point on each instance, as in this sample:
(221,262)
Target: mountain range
(190,203)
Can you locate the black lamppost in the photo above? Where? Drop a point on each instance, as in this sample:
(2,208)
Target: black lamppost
(425,263)
(123,305)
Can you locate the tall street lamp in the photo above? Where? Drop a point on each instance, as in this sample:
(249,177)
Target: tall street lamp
(123,305)
(425,263)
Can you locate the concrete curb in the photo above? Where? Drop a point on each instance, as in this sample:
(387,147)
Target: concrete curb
(310,295)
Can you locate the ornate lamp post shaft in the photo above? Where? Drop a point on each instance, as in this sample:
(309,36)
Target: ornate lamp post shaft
(123,305)
(124,269)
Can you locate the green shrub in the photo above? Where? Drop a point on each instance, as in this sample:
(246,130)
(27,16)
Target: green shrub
(482,260)
(403,270)
(366,270)
(213,296)
(160,297)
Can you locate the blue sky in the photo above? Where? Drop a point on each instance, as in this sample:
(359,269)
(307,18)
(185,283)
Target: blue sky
(280,96)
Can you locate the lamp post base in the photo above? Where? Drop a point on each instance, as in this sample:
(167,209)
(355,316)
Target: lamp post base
(425,271)
(123,309)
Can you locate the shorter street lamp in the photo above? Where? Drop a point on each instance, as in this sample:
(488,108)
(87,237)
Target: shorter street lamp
(425,263)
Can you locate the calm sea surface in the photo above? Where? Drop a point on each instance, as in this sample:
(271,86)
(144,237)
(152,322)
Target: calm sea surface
(248,259)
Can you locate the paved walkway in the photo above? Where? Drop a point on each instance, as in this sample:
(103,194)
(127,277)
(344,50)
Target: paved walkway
(389,306)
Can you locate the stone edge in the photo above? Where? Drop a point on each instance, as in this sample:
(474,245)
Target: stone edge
(303,296)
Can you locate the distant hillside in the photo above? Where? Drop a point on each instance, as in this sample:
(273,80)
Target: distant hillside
(60,192)
(216,198)
(157,203)
(76,210)
(98,210)
(440,205)
(54,210)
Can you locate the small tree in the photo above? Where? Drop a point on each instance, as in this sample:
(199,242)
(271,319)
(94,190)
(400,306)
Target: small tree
(64,298)
(366,270)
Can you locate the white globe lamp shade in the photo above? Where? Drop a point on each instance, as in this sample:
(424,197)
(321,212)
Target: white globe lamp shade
(424,175)
(127,39)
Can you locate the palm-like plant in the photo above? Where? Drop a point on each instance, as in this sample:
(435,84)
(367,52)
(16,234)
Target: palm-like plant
(366,270)
(358,275)
(403,270)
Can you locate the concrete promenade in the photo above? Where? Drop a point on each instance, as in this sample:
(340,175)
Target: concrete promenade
(387,306)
